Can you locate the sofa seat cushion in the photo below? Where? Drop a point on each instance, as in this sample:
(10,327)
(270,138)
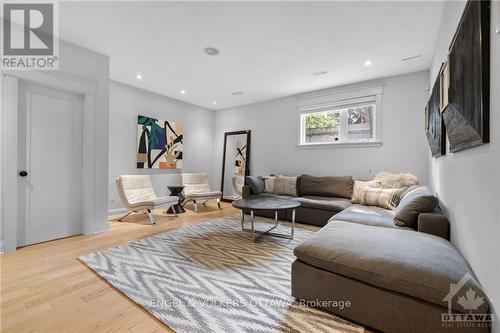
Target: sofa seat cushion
(369,215)
(204,195)
(408,262)
(324,203)
(156,202)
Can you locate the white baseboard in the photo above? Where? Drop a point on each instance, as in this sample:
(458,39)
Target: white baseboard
(2,246)
(97,229)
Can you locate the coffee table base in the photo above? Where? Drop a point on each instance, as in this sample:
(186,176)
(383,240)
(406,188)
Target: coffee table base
(259,234)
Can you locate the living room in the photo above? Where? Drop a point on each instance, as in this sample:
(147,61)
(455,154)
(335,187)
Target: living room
(250,166)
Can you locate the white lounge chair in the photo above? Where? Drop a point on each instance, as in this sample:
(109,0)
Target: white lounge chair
(137,195)
(196,189)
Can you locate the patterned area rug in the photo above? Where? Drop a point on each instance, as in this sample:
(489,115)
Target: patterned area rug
(211,277)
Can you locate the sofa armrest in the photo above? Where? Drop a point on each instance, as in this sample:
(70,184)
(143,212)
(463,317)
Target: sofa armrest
(435,224)
(246,192)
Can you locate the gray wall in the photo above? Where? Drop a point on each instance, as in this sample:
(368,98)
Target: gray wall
(126,103)
(468,182)
(274,126)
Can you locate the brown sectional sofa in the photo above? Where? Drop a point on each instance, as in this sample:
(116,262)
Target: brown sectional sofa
(395,278)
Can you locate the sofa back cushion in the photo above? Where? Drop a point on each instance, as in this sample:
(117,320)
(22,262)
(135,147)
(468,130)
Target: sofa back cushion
(415,201)
(256,184)
(285,185)
(340,187)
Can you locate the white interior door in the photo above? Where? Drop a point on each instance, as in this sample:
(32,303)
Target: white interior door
(49,164)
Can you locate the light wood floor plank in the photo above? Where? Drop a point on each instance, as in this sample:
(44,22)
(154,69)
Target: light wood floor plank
(45,288)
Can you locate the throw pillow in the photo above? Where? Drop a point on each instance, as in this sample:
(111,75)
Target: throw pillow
(358,189)
(285,185)
(393,180)
(416,201)
(387,198)
(269,183)
(256,184)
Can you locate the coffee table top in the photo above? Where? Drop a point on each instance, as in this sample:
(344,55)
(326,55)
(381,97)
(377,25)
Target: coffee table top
(267,203)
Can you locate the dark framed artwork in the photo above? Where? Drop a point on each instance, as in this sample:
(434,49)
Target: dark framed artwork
(434,125)
(467,114)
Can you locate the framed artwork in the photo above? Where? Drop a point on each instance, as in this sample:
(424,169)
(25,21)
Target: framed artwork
(444,78)
(159,143)
(434,125)
(467,115)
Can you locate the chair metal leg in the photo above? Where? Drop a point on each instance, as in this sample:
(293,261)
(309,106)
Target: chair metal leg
(124,215)
(151,217)
(195,206)
(173,210)
(218,203)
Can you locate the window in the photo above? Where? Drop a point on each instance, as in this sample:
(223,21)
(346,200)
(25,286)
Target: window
(340,121)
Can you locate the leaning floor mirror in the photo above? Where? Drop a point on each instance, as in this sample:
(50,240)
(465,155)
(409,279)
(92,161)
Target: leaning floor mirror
(235,164)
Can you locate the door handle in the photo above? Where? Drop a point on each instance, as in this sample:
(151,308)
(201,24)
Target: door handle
(23,173)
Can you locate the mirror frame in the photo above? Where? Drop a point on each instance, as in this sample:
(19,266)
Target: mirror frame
(247,166)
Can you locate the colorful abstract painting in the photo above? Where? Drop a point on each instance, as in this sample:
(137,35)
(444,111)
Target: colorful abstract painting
(159,143)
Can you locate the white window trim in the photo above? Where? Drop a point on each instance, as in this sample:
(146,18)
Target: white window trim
(311,102)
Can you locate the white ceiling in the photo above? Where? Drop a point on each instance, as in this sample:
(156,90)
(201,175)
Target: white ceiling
(267,49)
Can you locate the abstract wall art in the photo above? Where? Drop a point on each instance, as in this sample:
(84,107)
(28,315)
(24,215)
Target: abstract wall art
(434,125)
(467,113)
(159,143)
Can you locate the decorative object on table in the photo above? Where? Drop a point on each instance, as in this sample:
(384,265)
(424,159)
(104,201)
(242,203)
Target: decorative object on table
(196,189)
(137,195)
(176,190)
(266,204)
(205,268)
(434,125)
(159,143)
(235,161)
(467,115)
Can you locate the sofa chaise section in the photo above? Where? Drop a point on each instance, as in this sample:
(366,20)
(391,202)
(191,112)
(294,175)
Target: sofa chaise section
(396,279)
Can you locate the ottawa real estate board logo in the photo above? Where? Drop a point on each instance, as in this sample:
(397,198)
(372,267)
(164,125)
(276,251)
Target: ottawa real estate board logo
(472,306)
(29,33)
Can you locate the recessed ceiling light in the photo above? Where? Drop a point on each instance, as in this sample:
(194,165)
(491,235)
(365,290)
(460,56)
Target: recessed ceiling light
(214,102)
(236,93)
(321,72)
(211,51)
(368,63)
(183,91)
(139,76)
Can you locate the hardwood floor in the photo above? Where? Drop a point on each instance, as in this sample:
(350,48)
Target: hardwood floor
(45,288)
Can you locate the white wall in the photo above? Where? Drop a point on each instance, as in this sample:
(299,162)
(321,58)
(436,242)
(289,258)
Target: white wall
(468,182)
(126,103)
(274,136)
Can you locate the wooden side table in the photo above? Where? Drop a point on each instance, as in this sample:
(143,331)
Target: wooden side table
(176,190)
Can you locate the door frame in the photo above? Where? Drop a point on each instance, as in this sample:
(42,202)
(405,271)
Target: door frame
(9,152)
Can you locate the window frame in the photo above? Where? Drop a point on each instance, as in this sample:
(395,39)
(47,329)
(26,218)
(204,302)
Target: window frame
(329,99)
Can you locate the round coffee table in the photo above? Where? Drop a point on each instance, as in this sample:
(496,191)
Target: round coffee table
(177,191)
(263,204)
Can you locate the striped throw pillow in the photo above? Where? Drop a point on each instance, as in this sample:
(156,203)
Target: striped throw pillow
(285,185)
(387,198)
